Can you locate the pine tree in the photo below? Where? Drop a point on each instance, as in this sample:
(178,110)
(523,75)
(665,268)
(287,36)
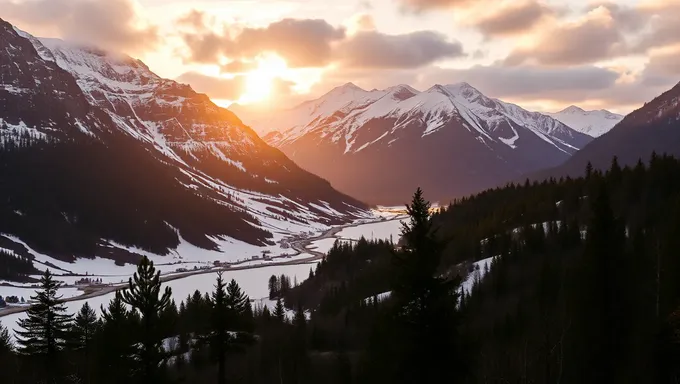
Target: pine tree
(83,331)
(7,353)
(6,346)
(45,331)
(221,322)
(419,336)
(600,320)
(273,287)
(280,312)
(144,295)
(299,346)
(114,360)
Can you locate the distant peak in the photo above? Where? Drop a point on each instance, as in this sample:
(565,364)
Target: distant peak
(350,86)
(437,88)
(345,88)
(572,109)
(401,88)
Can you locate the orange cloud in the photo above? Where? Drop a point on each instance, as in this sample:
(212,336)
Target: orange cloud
(113,24)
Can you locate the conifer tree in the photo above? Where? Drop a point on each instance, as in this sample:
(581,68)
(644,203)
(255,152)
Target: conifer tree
(7,352)
(114,360)
(221,323)
(144,295)
(273,287)
(420,337)
(5,341)
(84,328)
(280,312)
(600,323)
(45,331)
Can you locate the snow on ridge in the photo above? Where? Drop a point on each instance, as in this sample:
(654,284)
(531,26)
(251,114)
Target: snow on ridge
(435,107)
(591,123)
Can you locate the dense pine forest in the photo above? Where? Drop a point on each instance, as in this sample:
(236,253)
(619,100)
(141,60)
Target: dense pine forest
(583,287)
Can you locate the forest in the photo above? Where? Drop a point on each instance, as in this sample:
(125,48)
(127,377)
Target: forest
(583,287)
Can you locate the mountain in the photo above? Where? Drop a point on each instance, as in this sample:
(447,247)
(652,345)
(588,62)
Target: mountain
(100,156)
(592,123)
(450,140)
(655,127)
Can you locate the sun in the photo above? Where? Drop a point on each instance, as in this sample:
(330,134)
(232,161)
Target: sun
(260,81)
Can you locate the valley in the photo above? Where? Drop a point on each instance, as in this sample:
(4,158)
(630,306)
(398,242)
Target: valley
(308,251)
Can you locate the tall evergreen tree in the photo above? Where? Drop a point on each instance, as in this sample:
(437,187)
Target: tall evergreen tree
(116,335)
(419,341)
(601,318)
(280,312)
(45,331)
(144,295)
(220,336)
(83,332)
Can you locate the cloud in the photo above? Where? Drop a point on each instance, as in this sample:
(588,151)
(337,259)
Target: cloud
(663,26)
(238,66)
(663,69)
(315,43)
(512,19)
(112,24)
(215,87)
(301,42)
(502,81)
(595,37)
(363,22)
(370,49)
(422,5)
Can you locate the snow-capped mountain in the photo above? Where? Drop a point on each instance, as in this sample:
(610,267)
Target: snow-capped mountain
(655,127)
(592,123)
(450,139)
(99,154)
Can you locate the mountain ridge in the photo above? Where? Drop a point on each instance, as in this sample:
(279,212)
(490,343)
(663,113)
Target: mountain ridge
(359,129)
(193,172)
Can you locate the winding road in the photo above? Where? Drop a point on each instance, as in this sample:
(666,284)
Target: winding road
(299,245)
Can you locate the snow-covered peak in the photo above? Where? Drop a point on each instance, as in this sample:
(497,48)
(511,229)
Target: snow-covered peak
(571,110)
(592,123)
(345,89)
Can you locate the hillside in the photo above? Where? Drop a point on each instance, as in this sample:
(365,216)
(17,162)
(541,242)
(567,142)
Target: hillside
(101,157)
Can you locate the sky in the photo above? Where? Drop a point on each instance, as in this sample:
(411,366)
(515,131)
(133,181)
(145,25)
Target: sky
(541,54)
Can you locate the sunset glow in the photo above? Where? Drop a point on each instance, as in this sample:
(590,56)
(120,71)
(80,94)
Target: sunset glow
(260,81)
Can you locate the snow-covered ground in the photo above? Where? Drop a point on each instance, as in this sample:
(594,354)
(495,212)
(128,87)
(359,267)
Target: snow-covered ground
(380,230)
(252,281)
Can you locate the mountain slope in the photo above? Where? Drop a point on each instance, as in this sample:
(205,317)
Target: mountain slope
(653,127)
(592,123)
(450,139)
(99,155)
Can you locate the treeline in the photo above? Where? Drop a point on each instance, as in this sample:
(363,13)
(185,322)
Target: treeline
(143,336)
(15,268)
(583,286)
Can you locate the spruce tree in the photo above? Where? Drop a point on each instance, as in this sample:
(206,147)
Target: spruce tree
(7,357)
(83,331)
(220,336)
(280,312)
(600,316)
(45,331)
(144,295)
(418,340)
(116,335)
